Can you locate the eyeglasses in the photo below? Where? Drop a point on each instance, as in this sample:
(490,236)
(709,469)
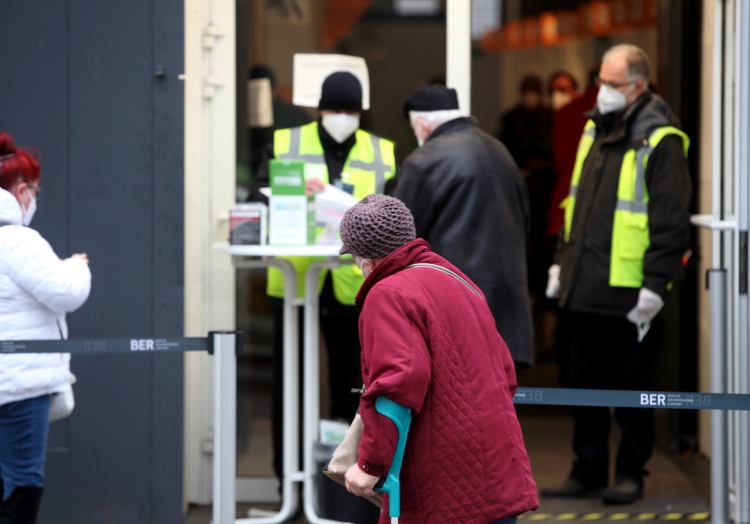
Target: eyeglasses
(615,85)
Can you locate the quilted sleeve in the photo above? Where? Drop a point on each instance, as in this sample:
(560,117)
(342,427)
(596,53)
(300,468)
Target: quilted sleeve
(395,364)
(60,285)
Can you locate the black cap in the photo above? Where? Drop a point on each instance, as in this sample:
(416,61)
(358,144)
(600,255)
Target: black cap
(262,71)
(431,98)
(341,90)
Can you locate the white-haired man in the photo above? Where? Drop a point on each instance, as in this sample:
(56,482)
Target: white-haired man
(626,229)
(471,203)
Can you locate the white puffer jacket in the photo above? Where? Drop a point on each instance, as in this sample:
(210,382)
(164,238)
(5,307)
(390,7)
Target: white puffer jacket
(37,289)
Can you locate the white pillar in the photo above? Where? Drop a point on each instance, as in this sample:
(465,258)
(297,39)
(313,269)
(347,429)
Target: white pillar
(458,51)
(210,173)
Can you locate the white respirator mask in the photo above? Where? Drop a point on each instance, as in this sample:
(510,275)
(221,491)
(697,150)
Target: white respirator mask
(560,99)
(340,125)
(610,100)
(28,213)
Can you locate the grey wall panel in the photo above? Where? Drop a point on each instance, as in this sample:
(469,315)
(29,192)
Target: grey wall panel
(33,101)
(168,265)
(83,91)
(111,139)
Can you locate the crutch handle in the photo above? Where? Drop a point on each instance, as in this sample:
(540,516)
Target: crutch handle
(401,416)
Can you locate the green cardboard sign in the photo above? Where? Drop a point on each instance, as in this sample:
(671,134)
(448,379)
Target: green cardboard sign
(287,177)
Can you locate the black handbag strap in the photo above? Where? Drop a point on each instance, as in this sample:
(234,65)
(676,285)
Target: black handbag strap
(451,273)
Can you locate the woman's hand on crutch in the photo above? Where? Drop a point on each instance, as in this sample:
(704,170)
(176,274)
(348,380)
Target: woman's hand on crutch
(360,483)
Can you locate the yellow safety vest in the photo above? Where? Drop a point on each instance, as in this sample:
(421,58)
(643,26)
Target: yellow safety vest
(370,164)
(630,233)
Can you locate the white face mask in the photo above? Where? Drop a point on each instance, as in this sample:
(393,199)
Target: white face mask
(610,100)
(340,125)
(28,213)
(560,99)
(361,265)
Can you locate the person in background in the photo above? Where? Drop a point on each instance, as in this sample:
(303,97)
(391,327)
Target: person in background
(429,342)
(626,228)
(526,131)
(284,116)
(37,289)
(360,163)
(471,203)
(567,126)
(563,89)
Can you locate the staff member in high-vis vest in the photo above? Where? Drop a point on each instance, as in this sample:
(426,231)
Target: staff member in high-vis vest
(357,162)
(626,230)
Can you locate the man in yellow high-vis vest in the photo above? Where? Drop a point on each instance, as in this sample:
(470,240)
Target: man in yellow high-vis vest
(625,232)
(360,163)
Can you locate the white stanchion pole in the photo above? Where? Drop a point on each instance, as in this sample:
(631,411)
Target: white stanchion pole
(225,417)
(717,283)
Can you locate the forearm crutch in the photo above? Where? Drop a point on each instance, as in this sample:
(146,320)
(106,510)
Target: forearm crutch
(401,416)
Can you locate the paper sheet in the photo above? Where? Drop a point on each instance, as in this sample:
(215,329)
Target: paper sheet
(310,70)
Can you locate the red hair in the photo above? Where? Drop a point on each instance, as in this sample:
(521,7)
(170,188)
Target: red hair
(17,165)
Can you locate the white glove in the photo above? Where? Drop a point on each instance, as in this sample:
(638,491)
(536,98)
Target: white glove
(553,281)
(648,306)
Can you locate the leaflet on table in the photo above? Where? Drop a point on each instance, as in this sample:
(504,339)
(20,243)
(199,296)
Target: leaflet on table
(248,224)
(292,213)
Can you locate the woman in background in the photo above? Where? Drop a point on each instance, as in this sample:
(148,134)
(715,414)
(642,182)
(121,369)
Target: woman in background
(37,289)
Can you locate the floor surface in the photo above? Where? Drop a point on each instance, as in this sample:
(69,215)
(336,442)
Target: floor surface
(676,490)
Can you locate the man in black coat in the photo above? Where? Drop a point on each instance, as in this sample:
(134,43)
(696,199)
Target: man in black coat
(626,229)
(471,203)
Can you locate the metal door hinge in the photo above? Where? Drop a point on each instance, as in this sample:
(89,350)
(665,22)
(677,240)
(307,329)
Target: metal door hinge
(211,33)
(211,82)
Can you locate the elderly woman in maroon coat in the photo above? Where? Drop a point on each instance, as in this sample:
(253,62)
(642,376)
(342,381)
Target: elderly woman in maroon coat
(429,342)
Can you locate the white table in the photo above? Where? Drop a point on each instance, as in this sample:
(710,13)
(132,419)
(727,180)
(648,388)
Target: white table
(266,256)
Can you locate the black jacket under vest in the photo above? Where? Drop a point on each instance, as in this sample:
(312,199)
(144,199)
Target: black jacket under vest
(471,203)
(584,260)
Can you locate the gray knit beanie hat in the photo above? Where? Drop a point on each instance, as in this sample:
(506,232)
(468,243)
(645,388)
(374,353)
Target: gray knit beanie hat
(376,227)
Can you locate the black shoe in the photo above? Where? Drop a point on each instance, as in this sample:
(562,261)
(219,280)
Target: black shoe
(626,490)
(22,506)
(573,489)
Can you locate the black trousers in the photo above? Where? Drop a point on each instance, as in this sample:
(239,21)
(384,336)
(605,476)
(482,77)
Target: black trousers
(606,354)
(341,333)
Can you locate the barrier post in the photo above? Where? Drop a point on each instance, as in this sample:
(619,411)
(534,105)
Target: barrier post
(225,421)
(717,285)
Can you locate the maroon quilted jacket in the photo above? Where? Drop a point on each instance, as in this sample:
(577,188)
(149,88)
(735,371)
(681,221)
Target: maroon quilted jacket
(430,343)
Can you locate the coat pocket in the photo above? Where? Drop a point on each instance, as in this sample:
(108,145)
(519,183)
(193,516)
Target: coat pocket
(634,240)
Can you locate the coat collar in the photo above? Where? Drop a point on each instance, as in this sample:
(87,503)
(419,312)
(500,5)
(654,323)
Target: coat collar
(636,122)
(453,125)
(398,260)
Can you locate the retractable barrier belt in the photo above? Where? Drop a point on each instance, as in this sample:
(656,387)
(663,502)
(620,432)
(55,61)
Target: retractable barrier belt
(631,399)
(105,345)
(535,396)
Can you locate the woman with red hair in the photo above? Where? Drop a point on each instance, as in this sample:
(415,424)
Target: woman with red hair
(37,289)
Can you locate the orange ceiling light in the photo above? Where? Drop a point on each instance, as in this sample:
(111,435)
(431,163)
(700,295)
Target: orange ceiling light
(341,16)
